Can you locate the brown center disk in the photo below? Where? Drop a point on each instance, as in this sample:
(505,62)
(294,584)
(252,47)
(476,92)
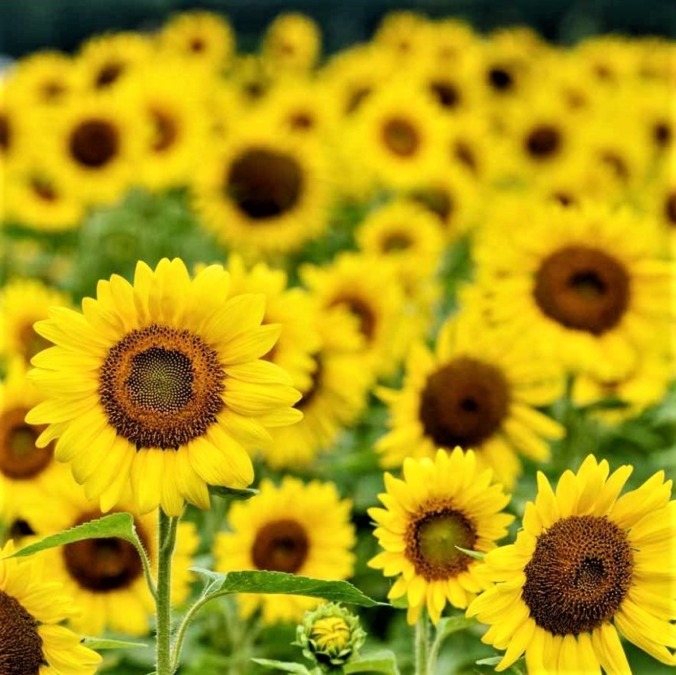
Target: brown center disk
(358,96)
(662,134)
(582,288)
(359,308)
(431,539)
(161,387)
(20,642)
(500,78)
(43,190)
(670,209)
(463,403)
(108,74)
(543,141)
(264,183)
(401,137)
(396,241)
(166,130)
(94,143)
(435,199)
(579,574)
(280,546)
(445,93)
(5,133)
(106,564)
(20,459)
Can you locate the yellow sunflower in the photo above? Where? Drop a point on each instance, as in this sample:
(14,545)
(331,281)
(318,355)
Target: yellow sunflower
(104,577)
(31,639)
(262,191)
(294,528)
(44,78)
(477,390)
(157,383)
(405,33)
(586,565)
(292,43)
(582,285)
(22,303)
(442,503)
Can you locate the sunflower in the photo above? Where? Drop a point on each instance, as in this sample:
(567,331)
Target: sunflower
(473,147)
(368,289)
(262,191)
(442,503)
(331,401)
(405,33)
(104,577)
(22,303)
(292,43)
(31,641)
(582,285)
(294,528)
(478,390)
(157,384)
(45,78)
(586,565)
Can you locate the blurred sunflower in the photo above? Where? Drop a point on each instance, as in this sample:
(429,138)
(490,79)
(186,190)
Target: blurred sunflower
(451,40)
(478,390)
(292,43)
(442,503)
(294,528)
(169,376)
(22,303)
(262,191)
(44,78)
(582,285)
(104,576)
(473,148)
(586,565)
(31,641)
(404,33)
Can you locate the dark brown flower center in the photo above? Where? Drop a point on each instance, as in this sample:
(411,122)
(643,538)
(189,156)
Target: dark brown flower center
(264,183)
(280,546)
(500,78)
(358,96)
(161,387)
(446,93)
(302,121)
(20,459)
(166,130)
(579,574)
(5,133)
(43,189)
(106,564)
(662,134)
(20,642)
(464,153)
(18,529)
(401,137)
(432,537)
(670,209)
(363,312)
(463,403)
(52,90)
(616,163)
(94,143)
(543,141)
(396,241)
(437,200)
(583,288)
(108,74)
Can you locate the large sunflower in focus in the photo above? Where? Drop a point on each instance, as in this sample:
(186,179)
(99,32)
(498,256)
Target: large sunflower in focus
(585,286)
(263,191)
(478,390)
(587,564)
(156,382)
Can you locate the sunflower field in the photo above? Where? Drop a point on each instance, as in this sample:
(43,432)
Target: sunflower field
(347,363)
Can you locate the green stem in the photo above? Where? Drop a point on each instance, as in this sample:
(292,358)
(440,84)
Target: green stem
(147,572)
(167,541)
(422,644)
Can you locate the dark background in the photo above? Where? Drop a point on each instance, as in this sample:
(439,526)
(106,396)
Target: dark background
(29,25)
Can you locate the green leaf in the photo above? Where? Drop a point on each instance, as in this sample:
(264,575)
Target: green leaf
(285,666)
(103,643)
(472,554)
(491,661)
(453,624)
(232,493)
(382,662)
(280,582)
(119,525)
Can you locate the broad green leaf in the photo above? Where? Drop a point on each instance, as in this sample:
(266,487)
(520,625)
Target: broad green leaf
(472,554)
(103,643)
(232,493)
(280,582)
(383,662)
(285,666)
(119,525)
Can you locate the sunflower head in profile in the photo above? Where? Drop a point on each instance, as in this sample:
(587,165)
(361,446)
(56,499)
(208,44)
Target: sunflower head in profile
(31,639)
(292,43)
(585,284)
(587,564)
(295,528)
(159,383)
(441,504)
(478,390)
(262,191)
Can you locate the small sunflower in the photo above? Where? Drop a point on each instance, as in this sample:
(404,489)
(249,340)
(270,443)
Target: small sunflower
(22,303)
(168,376)
(586,565)
(294,528)
(292,43)
(441,504)
(405,33)
(104,577)
(584,285)
(44,78)
(478,390)
(31,639)
(262,191)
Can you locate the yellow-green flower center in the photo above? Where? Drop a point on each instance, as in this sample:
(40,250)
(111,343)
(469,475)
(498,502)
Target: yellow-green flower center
(20,642)
(578,575)
(331,633)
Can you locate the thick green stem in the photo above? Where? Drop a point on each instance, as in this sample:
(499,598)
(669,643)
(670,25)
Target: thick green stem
(167,541)
(422,644)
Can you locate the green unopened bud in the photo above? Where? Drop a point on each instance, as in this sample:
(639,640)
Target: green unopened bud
(330,636)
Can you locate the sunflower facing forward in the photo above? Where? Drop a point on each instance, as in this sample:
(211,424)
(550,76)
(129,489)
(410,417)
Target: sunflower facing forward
(158,383)
(586,564)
